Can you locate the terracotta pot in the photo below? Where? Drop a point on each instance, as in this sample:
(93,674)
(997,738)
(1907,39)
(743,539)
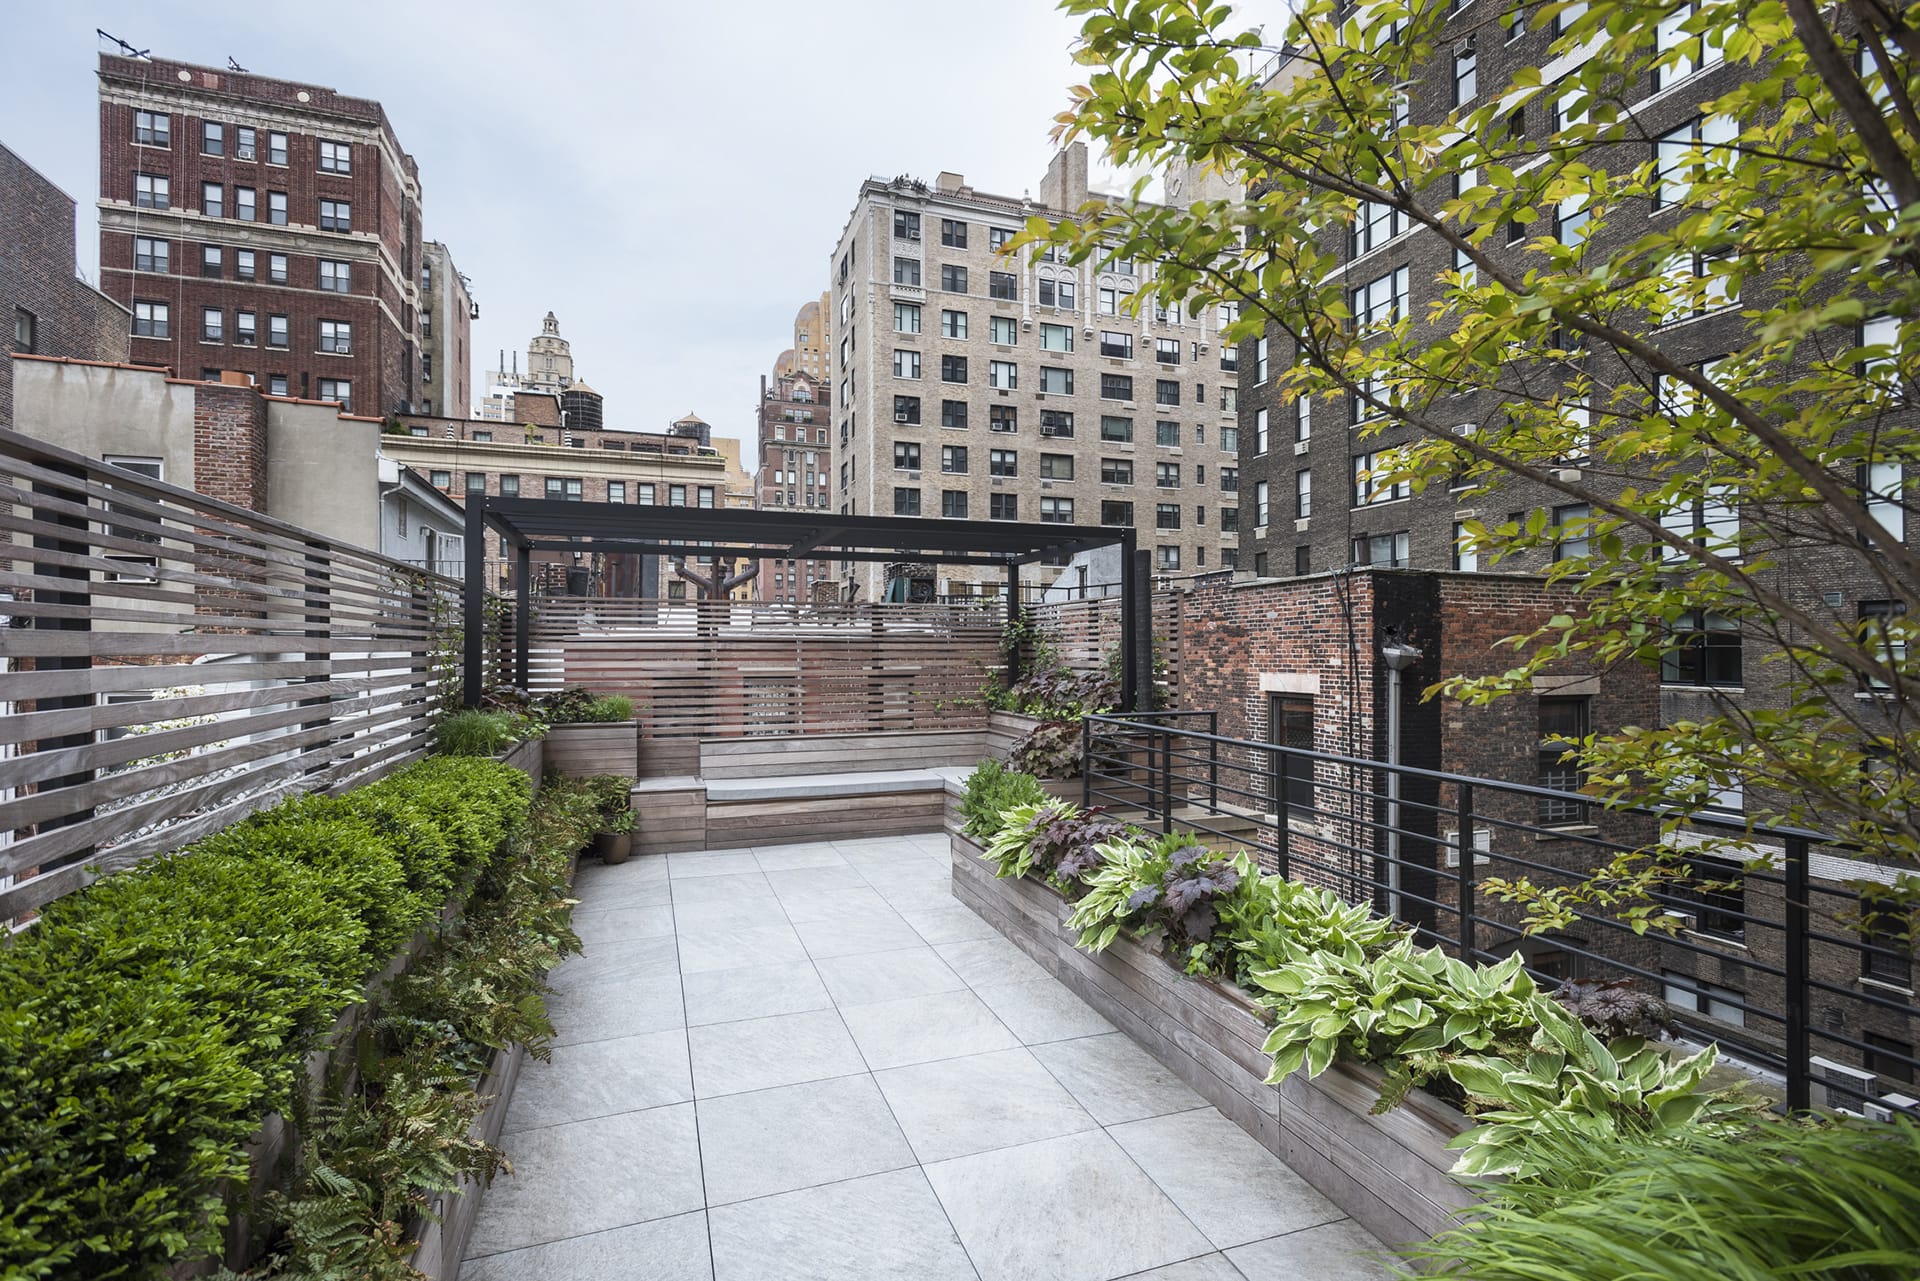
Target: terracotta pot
(613,847)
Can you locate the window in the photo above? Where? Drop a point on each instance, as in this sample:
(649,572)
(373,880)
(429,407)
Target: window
(1116,387)
(335,215)
(906,501)
(1004,330)
(243,144)
(906,226)
(953,413)
(213,200)
(1166,475)
(1717,894)
(1702,649)
(953,459)
(277,209)
(426,366)
(1561,718)
(1166,515)
(1166,351)
(1055,381)
(1302,494)
(152,129)
(1057,423)
(477,483)
(1887,940)
(1716,1001)
(906,364)
(1003,418)
(509,487)
(1710,520)
(906,271)
(1003,374)
(1466,74)
(276,149)
(336,336)
(1693,52)
(1116,471)
(1115,513)
(1260,503)
(243,264)
(906,409)
(1108,300)
(1369,487)
(1570,219)
(906,318)
(1166,557)
(1259,360)
(277,386)
(1390,550)
(1466,554)
(244,328)
(1229,480)
(1166,434)
(156,255)
(213,138)
(1003,507)
(1374,224)
(150,191)
(277,269)
(1888,639)
(1166,391)
(1290,726)
(243,204)
(339,389)
(953,504)
(1699,284)
(1003,462)
(212,325)
(953,324)
(1381,301)
(676,495)
(1571,537)
(999,238)
(1056,466)
(152,320)
(953,369)
(336,277)
(1679,155)
(335,157)
(953,278)
(1056,511)
(1056,293)
(1881,492)
(212,259)
(1888,1057)
(1003,285)
(278,334)
(1116,428)
(1116,344)
(906,455)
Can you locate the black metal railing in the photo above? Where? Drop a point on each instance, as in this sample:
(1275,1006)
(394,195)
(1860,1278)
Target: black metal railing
(1771,942)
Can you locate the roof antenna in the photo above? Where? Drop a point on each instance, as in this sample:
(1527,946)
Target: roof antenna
(125,48)
(233,64)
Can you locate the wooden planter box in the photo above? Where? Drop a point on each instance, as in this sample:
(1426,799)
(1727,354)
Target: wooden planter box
(1389,1171)
(528,757)
(1004,729)
(444,1244)
(582,751)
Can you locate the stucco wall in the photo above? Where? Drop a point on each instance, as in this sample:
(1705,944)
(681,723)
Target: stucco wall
(105,411)
(323,471)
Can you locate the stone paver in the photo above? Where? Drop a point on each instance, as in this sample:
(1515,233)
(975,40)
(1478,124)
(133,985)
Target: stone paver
(810,1061)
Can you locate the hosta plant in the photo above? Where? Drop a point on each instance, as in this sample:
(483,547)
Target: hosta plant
(1175,887)
(1061,841)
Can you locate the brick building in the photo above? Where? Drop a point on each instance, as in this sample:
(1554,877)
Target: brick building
(45,308)
(971,385)
(447,313)
(795,464)
(262,226)
(811,353)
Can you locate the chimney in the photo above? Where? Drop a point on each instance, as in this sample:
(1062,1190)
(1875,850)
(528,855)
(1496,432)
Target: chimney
(230,442)
(1065,186)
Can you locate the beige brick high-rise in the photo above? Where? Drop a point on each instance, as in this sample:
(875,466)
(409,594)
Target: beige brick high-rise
(969,384)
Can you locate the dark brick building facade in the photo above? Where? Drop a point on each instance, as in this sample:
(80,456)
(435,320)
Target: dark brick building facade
(45,308)
(263,226)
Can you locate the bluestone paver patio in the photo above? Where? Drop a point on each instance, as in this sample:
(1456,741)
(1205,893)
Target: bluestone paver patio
(810,1061)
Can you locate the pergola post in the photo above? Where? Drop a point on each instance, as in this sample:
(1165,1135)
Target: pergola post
(473,667)
(1013,620)
(1139,613)
(522,612)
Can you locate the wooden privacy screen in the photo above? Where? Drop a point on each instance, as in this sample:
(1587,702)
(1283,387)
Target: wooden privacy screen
(717,669)
(1085,632)
(172,663)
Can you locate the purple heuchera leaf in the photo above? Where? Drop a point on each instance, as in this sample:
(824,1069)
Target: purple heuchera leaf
(1144,897)
(1197,924)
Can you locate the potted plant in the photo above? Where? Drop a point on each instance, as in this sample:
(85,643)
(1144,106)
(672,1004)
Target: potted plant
(614,800)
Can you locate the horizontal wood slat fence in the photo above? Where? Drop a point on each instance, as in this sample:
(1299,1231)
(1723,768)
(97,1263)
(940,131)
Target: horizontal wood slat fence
(1086,631)
(721,669)
(171,663)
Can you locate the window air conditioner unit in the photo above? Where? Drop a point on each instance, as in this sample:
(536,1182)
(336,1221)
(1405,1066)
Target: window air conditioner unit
(1026,322)
(900,418)
(1888,1106)
(1838,1085)
(1482,844)
(1046,484)
(1300,446)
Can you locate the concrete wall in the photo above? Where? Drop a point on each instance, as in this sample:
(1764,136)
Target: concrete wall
(323,471)
(107,410)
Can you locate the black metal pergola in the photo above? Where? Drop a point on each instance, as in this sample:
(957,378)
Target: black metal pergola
(528,525)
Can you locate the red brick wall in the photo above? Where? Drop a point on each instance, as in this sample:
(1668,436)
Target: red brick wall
(230,444)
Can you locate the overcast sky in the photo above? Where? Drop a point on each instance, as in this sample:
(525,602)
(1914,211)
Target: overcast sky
(669,180)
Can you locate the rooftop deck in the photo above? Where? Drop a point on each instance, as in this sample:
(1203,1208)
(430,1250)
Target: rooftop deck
(812,1061)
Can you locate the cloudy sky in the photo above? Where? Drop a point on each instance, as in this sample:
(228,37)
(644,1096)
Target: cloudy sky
(669,180)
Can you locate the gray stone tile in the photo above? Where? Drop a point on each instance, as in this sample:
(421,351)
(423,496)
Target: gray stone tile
(740,887)
(746,948)
(829,905)
(920,1029)
(624,962)
(589,1176)
(1234,1189)
(1208,1267)
(605,892)
(622,924)
(805,881)
(956,1107)
(949,923)
(865,857)
(887,976)
(672,1249)
(786,858)
(1042,1011)
(757,1054)
(797,1136)
(755,992)
(600,1078)
(697,863)
(886,1227)
(1342,1251)
(605,1011)
(851,935)
(987,961)
(1068,1209)
(1115,1079)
